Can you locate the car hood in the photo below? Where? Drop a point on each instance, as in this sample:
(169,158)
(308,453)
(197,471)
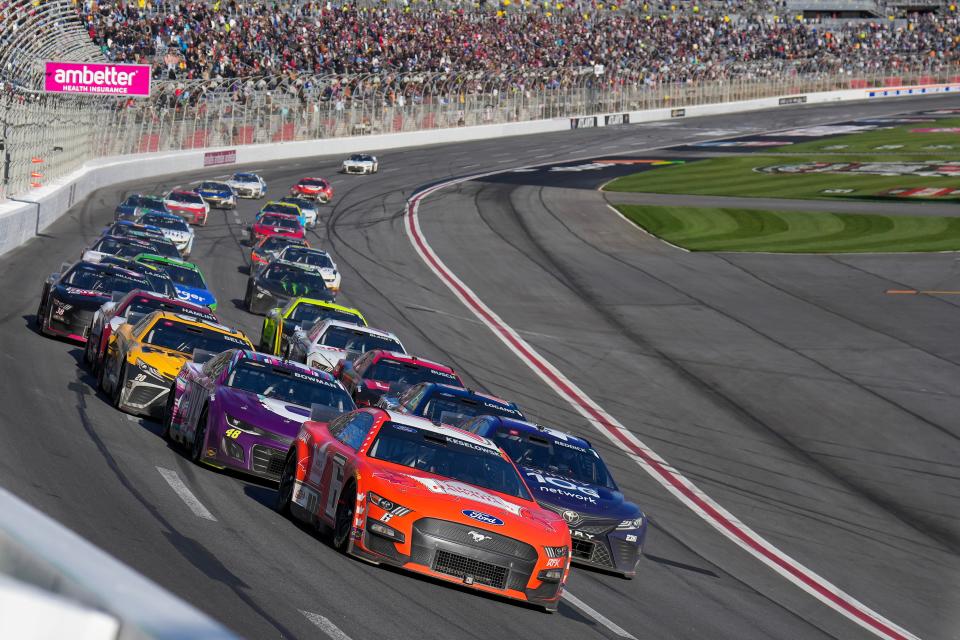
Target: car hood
(205,193)
(466,504)
(590,501)
(197,296)
(81,298)
(166,361)
(332,355)
(270,414)
(292,290)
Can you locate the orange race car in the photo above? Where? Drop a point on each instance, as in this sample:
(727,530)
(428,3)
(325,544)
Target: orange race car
(429,498)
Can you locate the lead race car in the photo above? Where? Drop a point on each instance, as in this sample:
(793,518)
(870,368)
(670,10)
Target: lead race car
(242,409)
(360,163)
(402,491)
(567,476)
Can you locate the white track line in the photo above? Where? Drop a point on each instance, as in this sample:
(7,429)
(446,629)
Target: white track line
(670,478)
(325,625)
(596,615)
(185,494)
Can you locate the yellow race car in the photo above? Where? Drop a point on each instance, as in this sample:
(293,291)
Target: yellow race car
(143,359)
(300,313)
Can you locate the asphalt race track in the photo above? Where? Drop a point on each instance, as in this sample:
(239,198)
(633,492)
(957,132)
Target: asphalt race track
(792,389)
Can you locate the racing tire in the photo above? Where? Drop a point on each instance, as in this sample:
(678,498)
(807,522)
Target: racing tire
(248,299)
(102,376)
(168,415)
(196,447)
(116,393)
(343,523)
(88,356)
(41,314)
(285,488)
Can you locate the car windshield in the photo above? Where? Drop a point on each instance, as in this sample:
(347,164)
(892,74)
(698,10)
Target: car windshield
(160,282)
(313,182)
(294,280)
(275,243)
(154,204)
(113,246)
(311,258)
(164,248)
(288,209)
(213,186)
(184,276)
(165,222)
(447,456)
(289,385)
(244,177)
(179,336)
(93,279)
(454,410)
(306,314)
(303,203)
(191,198)
(284,222)
(554,457)
(408,373)
(140,307)
(357,341)
(358,158)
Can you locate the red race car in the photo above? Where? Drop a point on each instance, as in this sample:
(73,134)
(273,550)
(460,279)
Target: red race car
(276,224)
(378,371)
(403,491)
(313,188)
(189,205)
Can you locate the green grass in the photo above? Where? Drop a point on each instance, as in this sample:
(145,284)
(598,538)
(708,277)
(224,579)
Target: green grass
(738,175)
(752,230)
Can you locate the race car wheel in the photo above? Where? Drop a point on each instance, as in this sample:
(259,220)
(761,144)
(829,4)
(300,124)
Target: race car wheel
(168,414)
(41,317)
(343,525)
(248,298)
(287,480)
(196,449)
(101,376)
(88,352)
(116,392)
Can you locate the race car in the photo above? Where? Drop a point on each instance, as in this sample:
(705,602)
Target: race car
(329,341)
(377,372)
(188,204)
(131,229)
(566,475)
(136,205)
(282,322)
(317,259)
(280,281)
(285,208)
(217,194)
(118,246)
(268,248)
(187,279)
(446,503)
(131,307)
(276,224)
(175,229)
(248,185)
(71,297)
(313,189)
(160,282)
(448,404)
(242,409)
(142,359)
(360,163)
(307,207)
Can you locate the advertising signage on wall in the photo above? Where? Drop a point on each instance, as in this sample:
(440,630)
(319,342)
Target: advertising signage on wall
(92,78)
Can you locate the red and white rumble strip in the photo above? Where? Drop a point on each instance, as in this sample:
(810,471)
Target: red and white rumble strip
(670,478)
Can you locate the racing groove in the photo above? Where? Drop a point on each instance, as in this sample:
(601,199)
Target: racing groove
(687,355)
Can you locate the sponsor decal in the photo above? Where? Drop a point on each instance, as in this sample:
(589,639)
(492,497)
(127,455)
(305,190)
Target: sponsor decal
(825,130)
(216,158)
(793,100)
(478,537)
(466,491)
(944,169)
(616,118)
(837,191)
(83,292)
(631,538)
(305,497)
(922,192)
(582,534)
(571,517)
(678,113)
(564,487)
(937,130)
(480,516)
(553,563)
(96,78)
(743,143)
(403,427)
(586,122)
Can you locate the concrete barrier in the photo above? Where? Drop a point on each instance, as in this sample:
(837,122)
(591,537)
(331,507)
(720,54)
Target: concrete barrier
(23,219)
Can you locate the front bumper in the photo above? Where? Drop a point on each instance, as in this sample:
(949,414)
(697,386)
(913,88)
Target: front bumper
(357,168)
(258,455)
(247,192)
(73,324)
(444,550)
(603,547)
(144,393)
(193,216)
(221,203)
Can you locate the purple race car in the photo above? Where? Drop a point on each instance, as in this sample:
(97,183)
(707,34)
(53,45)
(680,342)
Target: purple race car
(242,409)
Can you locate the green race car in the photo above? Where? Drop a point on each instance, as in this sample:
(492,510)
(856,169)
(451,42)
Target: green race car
(281,322)
(187,279)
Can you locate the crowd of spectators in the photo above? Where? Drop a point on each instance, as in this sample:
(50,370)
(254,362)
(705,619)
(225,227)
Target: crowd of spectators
(193,39)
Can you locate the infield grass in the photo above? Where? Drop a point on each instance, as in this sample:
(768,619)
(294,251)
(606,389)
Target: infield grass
(751,230)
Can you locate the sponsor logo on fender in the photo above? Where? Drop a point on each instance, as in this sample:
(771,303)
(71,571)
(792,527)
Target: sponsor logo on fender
(96,78)
(485,518)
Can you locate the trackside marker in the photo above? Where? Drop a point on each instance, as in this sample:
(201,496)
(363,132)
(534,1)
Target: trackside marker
(332,630)
(596,615)
(658,468)
(185,494)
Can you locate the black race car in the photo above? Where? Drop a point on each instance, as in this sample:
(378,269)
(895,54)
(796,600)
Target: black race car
(124,247)
(160,280)
(280,281)
(71,297)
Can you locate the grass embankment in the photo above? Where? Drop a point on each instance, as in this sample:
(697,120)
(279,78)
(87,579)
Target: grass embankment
(751,230)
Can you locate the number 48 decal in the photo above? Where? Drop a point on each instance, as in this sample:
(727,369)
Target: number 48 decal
(233,433)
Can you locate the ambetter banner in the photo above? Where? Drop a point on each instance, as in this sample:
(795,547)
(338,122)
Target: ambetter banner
(96,78)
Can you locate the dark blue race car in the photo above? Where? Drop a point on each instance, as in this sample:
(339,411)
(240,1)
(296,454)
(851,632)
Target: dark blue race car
(447,404)
(566,475)
(137,204)
(217,194)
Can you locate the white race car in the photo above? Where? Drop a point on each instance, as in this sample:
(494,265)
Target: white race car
(174,228)
(248,185)
(361,163)
(317,259)
(329,341)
